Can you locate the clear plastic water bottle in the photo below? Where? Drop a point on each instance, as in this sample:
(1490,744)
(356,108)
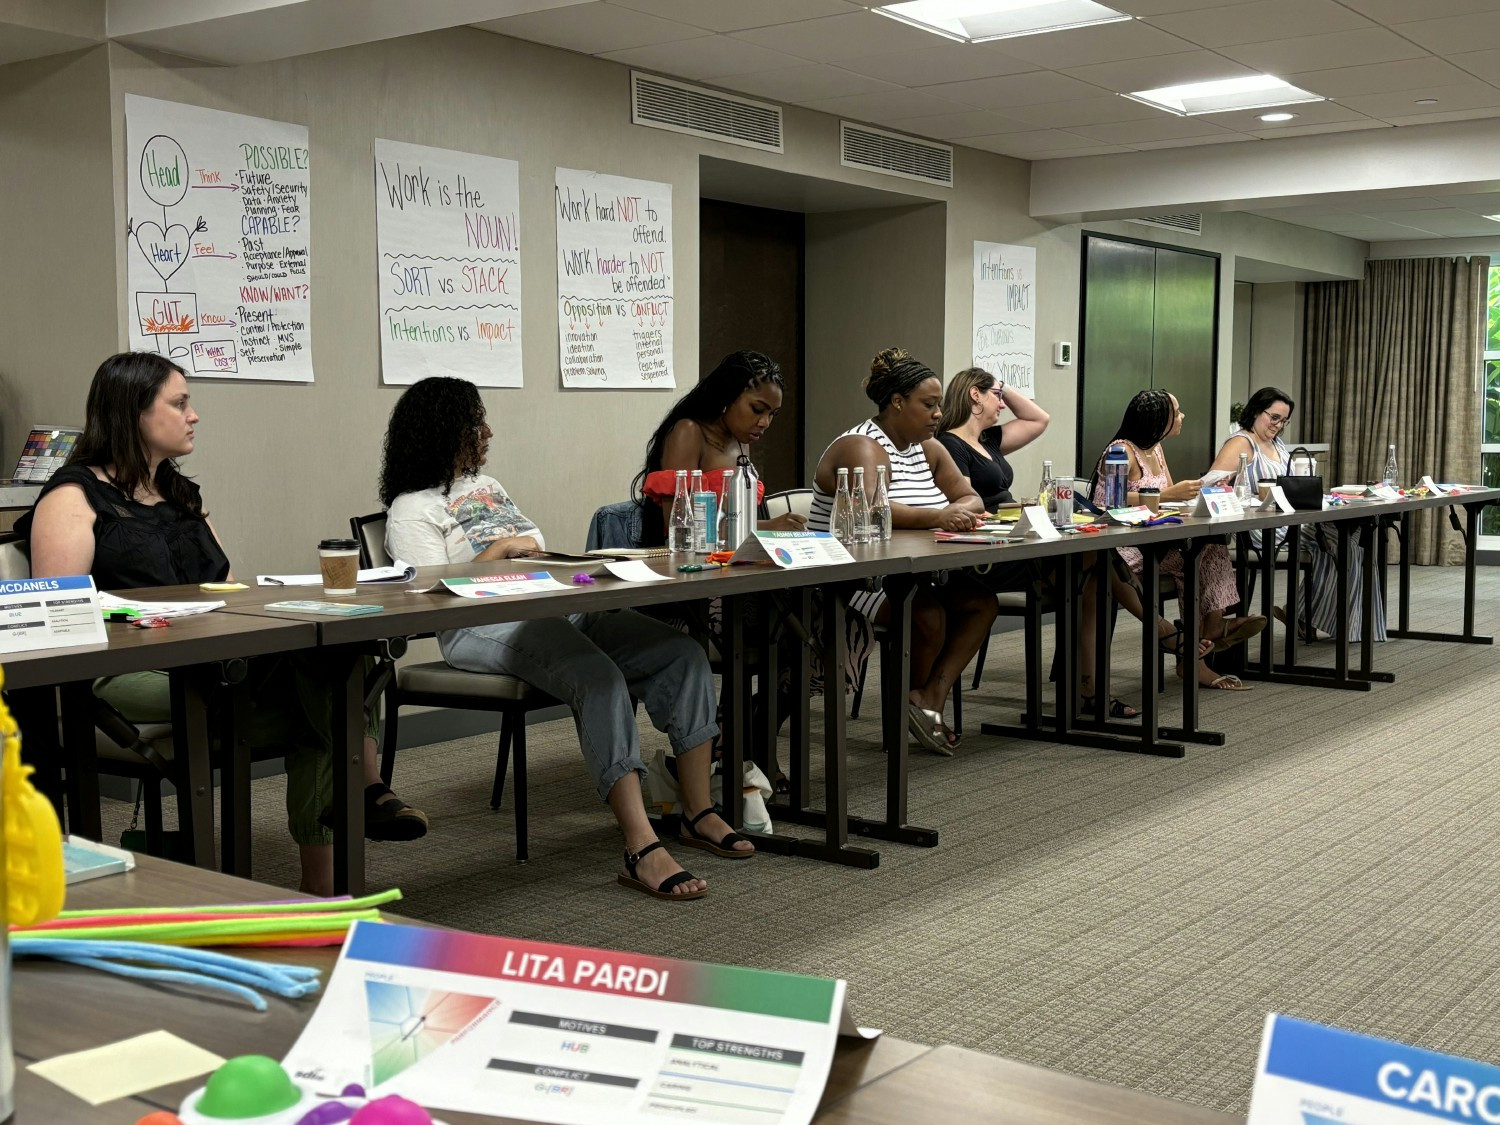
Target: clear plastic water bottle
(841,519)
(859,507)
(1116,476)
(1392,473)
(680,524)
(880,508)
(1244,485)
(1044,495)
(705,516)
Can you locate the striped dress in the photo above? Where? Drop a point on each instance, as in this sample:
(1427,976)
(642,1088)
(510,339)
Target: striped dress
(909,482)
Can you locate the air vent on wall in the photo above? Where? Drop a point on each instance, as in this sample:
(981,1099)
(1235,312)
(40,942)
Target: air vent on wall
(661,103)
(1187,222)
(893,154)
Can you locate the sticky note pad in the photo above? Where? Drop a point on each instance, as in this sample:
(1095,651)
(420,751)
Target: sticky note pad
(128,1067)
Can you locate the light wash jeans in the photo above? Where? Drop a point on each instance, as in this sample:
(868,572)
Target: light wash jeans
(597,663)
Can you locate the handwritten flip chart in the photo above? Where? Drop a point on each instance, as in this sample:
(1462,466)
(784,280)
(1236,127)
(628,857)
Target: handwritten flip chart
(1005,313)
(217,267)
(614,281)
(449,228)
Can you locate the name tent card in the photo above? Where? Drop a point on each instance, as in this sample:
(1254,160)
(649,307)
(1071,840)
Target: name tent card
(792,550)
(1037,524)
(50,613)
(498,585)
(566,1034)
(1216,504)
(1309,1074)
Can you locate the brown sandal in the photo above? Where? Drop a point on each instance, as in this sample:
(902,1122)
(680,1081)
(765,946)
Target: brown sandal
(628,878)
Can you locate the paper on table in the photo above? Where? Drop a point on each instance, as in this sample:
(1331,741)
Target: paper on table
(108,602)
(1036,522)
(128,1067)
(397,572)
(633,570)
(1214,476)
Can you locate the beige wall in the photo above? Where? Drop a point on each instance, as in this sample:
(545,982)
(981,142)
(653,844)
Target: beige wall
(284,465)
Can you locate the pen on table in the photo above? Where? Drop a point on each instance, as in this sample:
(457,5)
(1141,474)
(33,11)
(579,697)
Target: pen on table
(689,568)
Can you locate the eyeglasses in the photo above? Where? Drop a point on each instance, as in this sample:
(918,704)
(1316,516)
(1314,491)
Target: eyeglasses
(1277,419)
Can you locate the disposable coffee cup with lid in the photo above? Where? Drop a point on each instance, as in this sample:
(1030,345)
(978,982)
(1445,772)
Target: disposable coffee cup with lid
(338,559)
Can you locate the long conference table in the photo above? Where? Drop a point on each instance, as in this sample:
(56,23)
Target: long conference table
(247,628)
(58,1008)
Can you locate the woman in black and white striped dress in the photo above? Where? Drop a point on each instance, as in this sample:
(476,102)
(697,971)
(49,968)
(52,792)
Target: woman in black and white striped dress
(950,621)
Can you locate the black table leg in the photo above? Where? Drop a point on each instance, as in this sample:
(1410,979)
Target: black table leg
(195,777)
(35,711)
(234,782)
(734,702)
(1471,549)
(1192,553)
(81,763)
(344,669)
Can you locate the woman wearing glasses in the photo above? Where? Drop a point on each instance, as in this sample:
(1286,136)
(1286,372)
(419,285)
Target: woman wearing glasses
(1259,436)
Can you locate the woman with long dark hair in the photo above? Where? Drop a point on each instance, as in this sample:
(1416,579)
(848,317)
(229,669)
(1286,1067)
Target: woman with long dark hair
(1150,418)
(122,511)
(444,509)
(713,428)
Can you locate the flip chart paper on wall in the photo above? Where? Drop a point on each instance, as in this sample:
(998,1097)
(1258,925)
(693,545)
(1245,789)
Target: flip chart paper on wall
(217,257)
(1005,313)
(614,281)
(569,1035)
(449,226)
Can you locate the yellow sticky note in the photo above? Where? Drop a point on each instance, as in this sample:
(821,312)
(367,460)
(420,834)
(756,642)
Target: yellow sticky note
(128,1067)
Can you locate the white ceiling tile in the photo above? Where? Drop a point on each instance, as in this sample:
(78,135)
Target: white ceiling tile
(1378,78)
(886,105)
(1069,153)
(1481,64)
(1308,113)
(593,28)
(1478,31)
(945,62)
(1368,205)
(1403,11)
(1270,132)
(832,38)
(1086,111)
(1161,7)
(1015,89)
(1163,128)
(1159,70)
(738,15)
(1312,52)
(969,123)
(1249,23)
(804,83)
(1473,94)
(1480,203)
(1448,223)
(1083,46)
(1477,114)
(1303,215)
(1380,232)
(712,56)
(1193,142)
(1032,143)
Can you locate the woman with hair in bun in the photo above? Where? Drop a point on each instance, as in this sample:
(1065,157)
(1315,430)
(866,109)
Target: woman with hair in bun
(948,621)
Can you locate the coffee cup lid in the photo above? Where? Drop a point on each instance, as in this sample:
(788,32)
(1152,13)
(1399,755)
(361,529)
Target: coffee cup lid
(1147,489)
(339,545)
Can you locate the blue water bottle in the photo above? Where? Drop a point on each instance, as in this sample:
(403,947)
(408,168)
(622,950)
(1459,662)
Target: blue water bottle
(1116,476)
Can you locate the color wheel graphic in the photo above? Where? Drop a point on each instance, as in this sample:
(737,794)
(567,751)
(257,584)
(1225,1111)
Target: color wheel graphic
(408,1024)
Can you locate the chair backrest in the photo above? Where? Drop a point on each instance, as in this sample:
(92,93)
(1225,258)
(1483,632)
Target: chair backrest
(15,557)
(615,525)
(370,532)
(798,500)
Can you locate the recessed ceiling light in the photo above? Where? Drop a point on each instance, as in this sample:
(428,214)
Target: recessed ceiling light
(1273,117)
(975,21)
(1491,218)
(1256,91)
(1427,101)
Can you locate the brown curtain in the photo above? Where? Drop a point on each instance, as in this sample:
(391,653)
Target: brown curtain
(1396,358)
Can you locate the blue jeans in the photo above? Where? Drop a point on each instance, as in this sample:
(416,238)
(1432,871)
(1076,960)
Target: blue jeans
(597,663)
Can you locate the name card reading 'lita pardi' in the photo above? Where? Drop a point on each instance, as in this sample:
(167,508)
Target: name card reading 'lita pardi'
(49,613)
(569,1035)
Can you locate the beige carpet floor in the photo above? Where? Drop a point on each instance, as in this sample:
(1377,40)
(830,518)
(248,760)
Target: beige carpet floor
(1127,918)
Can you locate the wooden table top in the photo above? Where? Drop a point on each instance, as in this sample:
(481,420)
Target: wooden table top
(59,1008)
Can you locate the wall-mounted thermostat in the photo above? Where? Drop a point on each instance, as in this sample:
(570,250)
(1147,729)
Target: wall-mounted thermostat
(1062,354)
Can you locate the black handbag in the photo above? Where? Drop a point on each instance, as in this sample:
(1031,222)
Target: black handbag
(1304,493)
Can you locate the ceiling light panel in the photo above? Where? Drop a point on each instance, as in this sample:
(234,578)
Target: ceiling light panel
(976,21)
(1256,91)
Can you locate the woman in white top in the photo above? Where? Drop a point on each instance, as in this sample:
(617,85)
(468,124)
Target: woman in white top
(443,510)
(948,621)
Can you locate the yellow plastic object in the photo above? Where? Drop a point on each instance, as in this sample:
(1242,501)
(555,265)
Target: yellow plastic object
(34,880)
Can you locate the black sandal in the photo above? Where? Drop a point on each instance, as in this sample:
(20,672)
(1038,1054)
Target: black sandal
(628,878)
(1117,708)
(392,820)
(724,847)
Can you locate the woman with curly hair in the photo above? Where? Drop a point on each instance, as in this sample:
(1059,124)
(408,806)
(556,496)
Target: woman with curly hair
(443,509)
(712,428)
(122,510)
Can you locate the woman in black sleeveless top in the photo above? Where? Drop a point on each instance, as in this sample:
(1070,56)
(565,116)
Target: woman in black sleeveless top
(121,511)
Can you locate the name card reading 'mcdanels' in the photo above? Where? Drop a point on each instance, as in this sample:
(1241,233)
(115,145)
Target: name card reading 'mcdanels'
(49,613)
(792,550)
